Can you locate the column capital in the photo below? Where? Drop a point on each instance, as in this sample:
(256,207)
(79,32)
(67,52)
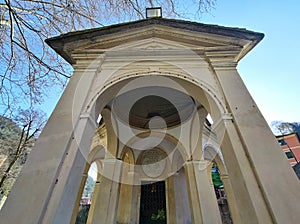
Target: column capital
(224,66)
(92,63)
(218,126)
(112,161)
(224,59)
(224,117)
(199,165)
(112,169)
(89,117)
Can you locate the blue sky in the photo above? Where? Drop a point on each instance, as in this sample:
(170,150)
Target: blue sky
(270,71)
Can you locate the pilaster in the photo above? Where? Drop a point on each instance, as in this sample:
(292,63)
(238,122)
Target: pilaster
(231,199)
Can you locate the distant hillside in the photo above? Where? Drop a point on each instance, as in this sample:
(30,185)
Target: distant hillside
(9,134)
(9,140)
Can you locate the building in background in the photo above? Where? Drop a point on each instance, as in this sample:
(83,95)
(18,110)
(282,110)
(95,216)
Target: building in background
(290,144)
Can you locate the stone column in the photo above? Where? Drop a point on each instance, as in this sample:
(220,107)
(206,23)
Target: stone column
(111,133)
(265,160)
(197,133)
(230,196)
(193,192)
(136,192)
(183,214)
(106,201)
(208,203)
(93,202)
(53,161)
(171,200)
(114,193)
(125,202)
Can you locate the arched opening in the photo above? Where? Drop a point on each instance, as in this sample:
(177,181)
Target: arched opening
(90,184)
(87,193)
(220,193)
(154,164)
(154,167)
(156,114)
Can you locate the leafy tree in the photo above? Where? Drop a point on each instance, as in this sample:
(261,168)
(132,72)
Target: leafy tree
(216,177)
(29,67)
(82,214)
(283,128)
(296,127)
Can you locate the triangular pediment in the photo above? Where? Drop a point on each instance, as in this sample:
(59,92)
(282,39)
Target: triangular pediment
(152,34)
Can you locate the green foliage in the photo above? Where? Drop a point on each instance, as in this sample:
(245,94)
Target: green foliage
(8,129)
(216,177)
(82,214)
(161,215)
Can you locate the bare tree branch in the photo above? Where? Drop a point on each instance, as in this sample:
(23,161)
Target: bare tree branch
(29,66)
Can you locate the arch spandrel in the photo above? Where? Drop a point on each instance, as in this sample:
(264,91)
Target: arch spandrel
(214,155)
(96,153)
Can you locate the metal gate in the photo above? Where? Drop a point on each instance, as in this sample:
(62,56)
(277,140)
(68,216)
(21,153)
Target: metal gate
(153,203)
